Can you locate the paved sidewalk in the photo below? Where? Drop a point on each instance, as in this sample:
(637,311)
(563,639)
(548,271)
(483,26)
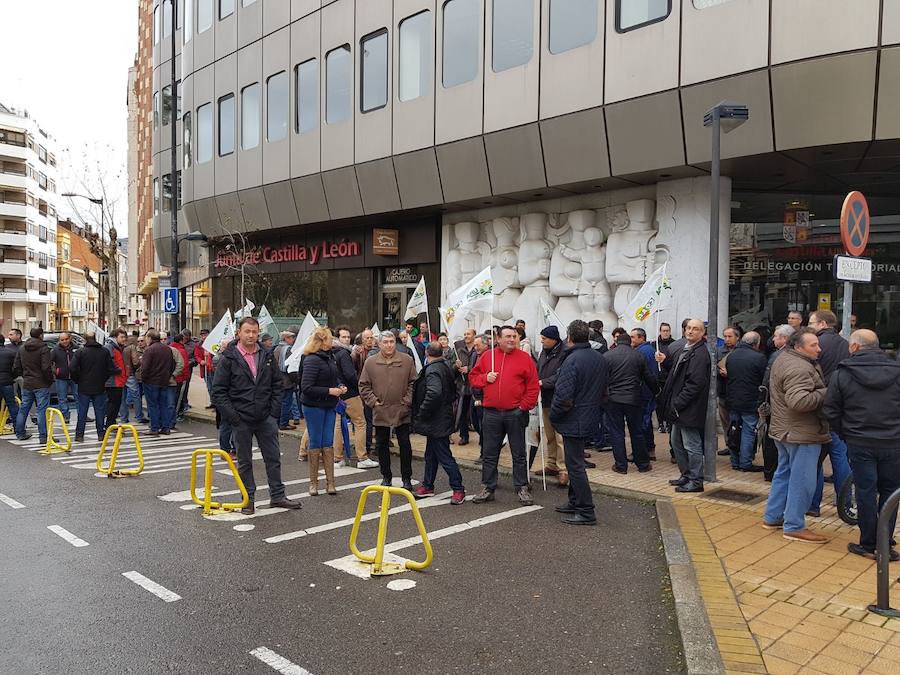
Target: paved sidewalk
(774,606)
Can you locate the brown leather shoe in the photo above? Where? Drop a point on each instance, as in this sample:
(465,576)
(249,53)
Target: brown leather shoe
(773,526)
(806,536)
(550,471)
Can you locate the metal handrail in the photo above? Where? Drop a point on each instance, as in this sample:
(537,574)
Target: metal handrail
(882,605)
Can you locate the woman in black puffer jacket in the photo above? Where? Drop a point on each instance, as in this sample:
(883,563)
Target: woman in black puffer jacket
(320,389)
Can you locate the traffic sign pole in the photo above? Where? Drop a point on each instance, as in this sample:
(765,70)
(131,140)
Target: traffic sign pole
(847,308)
(855,223)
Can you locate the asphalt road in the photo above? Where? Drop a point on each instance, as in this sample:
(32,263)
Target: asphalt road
(520,594)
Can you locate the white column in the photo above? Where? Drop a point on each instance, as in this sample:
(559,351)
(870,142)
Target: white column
(682,209)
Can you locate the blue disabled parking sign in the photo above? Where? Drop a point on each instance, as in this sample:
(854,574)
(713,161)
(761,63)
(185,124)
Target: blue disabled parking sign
(170,300)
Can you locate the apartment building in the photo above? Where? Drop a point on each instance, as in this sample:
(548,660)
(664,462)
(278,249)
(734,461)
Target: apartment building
(28,203)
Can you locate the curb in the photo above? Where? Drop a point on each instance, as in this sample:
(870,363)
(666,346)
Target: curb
(701,653)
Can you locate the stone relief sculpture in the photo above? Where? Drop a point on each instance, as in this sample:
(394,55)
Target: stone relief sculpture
(587,268)
(505,267)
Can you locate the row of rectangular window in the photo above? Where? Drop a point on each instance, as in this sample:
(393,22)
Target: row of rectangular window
(166,197)
(513,21)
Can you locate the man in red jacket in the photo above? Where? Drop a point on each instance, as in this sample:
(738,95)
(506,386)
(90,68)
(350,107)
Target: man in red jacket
(181,378)
(508,379)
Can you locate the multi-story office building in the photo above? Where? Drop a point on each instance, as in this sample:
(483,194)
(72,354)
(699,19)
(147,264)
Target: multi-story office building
(337,151)
(28,201)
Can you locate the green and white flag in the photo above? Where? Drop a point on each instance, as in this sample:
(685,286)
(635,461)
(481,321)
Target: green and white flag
(652,296)
(221,335)
(550,318)
(476,295)
(418,303)
(265,321)
(98,332)
(245,310)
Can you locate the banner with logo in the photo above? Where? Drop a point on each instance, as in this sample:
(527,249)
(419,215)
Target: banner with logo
(476,295)
(418,303)
(221,335)
(652,296)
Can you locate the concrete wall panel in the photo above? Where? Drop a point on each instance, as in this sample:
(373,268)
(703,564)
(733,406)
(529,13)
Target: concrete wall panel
(413,120)
(645,134)
(309,197)
(250,22)
(342,193)
(511,96)
(804,28)
(226,83)
(226,31)
(337,30)
(231,218)
(418,180)
(378,186)
(515,160)
(888,122)
(824,100)
(644,60)
(281,205)
(253,206)
(250,71)
(890,23)
(459,110)
(463,170)
(276,15)
(724,39)
(204,92)
(752,138)
(575,147)
(373,128)
(305,45)
(276,161)
(300,8)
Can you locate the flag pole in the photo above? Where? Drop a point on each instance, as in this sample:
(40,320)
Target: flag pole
(541,440)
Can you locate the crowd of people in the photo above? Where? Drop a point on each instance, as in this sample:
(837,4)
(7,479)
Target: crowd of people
(803,394)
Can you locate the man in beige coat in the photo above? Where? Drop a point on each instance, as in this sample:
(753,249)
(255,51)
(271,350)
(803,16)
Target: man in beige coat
(798,427)
(386,386)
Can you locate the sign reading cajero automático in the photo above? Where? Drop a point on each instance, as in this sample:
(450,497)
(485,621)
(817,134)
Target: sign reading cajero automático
(385,242)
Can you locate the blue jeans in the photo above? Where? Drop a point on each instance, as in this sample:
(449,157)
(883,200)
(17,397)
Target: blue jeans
(876,472)
(159,407)
(287,402)
(99,403)
(63,387)
(8,392)
(647,425)
(41,397)
(320,427)
(437,451)
(208,379)
(744,459)
(687,445)
(792,485)
(226,441)
(133,395)
(840,469)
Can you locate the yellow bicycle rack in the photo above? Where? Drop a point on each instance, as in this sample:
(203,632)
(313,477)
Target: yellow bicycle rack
(209,506)
(110,470)
(379,567)
(53,446)
(4,418)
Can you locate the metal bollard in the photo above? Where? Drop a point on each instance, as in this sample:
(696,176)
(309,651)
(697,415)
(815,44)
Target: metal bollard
(110,470)
(209,506)
(379,567)
(53,446)
(882,605)
(4,418)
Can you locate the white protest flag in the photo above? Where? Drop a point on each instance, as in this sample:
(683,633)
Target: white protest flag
(221,335)
(376,331)
(265,320)
(245,310)
(416,359)
(652,296)
(418,303)
(309,325)
(98,332)
(476,295)
(550,318)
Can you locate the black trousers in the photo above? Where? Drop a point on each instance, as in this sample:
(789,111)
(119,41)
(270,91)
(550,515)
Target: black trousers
(580,497)
(113,403)
(370,427)
(382,439)
(495,424)
(462,417)
(770,458)
(618,415)
(266,433)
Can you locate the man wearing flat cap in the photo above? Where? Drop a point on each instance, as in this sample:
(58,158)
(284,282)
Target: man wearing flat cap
(549,361)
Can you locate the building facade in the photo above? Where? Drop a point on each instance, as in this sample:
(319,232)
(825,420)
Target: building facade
(78,271)
(28,203)
(560,142)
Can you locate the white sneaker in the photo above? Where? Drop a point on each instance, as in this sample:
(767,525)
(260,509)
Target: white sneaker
(367,464)
(339,463)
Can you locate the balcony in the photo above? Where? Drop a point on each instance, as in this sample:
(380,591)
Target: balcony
(10,180)
(13,289)
(13,268)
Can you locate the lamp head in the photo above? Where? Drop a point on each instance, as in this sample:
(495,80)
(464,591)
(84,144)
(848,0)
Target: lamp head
(731,115)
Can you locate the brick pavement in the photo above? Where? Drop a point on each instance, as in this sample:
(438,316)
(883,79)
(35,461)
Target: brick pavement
(774,606)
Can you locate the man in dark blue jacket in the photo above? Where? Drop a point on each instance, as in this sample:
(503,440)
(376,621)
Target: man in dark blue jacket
(7,380)
(247,392)
(648,394)
(575,413)
(628,375)
(745,367)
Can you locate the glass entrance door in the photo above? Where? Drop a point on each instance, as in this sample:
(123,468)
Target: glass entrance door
(394,298)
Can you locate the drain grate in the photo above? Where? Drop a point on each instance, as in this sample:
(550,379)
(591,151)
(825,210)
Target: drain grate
(728,495)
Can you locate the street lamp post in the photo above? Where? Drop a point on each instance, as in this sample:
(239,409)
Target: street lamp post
(727,117)
(173,180)
(176,243)
(112,263)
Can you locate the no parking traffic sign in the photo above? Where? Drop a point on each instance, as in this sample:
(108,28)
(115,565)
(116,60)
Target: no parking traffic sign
(855,223)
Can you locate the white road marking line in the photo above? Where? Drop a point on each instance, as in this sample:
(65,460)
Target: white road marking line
(150,585)
(157,459)
(179,443)
(131,457)
(185,495)
(438,500)
(278,662)
(94,445)
(352,565)
(68,536)
(273,510)
(10,502)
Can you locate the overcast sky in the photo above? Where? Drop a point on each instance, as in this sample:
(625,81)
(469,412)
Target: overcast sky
(67,62)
